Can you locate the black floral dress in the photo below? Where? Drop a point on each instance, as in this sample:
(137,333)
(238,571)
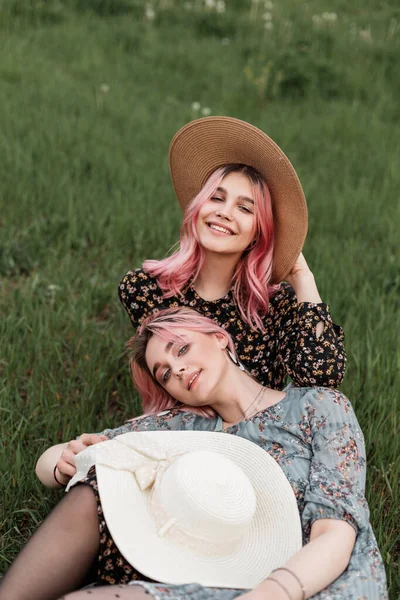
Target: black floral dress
(288,345)
(314,436)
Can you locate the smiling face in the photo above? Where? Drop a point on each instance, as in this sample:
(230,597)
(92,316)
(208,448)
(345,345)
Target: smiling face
(226,222)
(190,368)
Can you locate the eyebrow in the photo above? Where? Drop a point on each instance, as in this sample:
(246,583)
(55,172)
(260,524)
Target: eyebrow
(157,365)
(244,198)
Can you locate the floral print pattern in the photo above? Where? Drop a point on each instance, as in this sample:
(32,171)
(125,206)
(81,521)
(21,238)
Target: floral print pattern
(314,436)
(288,345)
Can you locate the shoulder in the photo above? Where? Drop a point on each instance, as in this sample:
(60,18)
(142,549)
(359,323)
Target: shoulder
(137,279)
(325,404)
(140,294)
(141,423)
(165,419)
(173,419)
(320,395)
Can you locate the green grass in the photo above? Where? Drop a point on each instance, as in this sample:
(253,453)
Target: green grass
(90,96)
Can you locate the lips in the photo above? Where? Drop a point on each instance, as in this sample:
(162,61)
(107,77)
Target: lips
(220,228)
(192,379)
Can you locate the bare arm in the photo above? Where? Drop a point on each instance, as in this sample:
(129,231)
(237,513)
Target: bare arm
(63,456)
(302,281)
(316,565)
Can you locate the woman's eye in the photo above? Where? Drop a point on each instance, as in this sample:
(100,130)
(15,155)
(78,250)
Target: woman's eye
(166,375)
(183,350)
(217,199)
(246,209)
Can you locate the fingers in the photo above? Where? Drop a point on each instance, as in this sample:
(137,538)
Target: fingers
(88,439)
(66,462)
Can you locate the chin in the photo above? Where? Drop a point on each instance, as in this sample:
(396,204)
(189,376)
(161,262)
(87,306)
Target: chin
(220,247)
(196,402)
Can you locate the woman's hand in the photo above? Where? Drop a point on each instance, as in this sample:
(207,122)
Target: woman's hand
(302,281)
(299,271)
(66,463)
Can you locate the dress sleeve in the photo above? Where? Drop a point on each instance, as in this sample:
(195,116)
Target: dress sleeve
(336,483)
(168,420)
(140,295)
(308,359)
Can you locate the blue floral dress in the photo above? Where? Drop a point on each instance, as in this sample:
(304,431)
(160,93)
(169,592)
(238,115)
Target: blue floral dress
(314,435)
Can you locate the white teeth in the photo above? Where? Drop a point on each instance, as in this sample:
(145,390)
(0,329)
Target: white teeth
(192,379)
(218,228)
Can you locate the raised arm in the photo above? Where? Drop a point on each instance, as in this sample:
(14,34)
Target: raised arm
(310,345)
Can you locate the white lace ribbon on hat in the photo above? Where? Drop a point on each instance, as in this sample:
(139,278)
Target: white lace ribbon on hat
(148,462)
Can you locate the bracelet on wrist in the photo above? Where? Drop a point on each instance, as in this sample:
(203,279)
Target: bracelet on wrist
(283,587)
(293,574)
(55,477)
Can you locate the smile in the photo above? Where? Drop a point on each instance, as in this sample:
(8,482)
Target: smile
(220,228)
(192,379)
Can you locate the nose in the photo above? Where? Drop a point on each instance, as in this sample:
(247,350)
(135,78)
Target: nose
(179,371)
(223,214)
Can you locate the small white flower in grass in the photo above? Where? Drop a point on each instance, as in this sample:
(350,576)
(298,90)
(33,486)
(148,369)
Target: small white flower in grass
(205,111)
(53,288)
(149,13)
(267,16)
(365,34)
(196,106)
(220,6)
(225,41)
(317,20)
(105,88)
(268,5)
(327,16)
(268,25)
(188,5)
(210,3)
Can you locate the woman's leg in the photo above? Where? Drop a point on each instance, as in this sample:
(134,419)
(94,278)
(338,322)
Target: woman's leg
(110,592)
(59,554)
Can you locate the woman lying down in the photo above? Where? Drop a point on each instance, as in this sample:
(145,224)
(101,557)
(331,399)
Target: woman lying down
(224,489)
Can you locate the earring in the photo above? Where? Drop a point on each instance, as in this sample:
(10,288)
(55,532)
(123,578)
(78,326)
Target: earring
(235,360)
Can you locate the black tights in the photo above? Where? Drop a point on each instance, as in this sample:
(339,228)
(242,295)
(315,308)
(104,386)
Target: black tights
(59,555)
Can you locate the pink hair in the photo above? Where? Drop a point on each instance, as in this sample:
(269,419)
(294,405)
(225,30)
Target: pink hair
(251,279)
(165,324)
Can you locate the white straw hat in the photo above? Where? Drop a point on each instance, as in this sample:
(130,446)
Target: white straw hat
(195,506)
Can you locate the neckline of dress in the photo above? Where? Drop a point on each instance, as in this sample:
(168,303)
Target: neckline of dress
(219,426)
(190,287)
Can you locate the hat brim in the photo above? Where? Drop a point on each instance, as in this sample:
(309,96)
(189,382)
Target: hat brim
(274,535)
(204,145)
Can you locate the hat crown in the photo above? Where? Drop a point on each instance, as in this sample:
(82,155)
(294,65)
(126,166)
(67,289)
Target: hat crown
(209,496)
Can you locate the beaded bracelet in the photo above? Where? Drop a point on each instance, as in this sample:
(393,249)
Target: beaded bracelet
(55,477)
(303,591)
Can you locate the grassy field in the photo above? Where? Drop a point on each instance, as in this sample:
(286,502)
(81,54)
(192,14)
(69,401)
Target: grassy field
(91,92)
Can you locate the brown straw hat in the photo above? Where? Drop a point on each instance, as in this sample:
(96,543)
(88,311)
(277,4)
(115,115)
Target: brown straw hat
(204,145)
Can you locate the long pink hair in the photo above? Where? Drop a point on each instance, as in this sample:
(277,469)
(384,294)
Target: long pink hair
(251,280)
(165,324)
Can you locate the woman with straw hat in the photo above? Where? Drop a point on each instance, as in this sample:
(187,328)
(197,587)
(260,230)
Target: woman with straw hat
(244,225)
(236,491)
